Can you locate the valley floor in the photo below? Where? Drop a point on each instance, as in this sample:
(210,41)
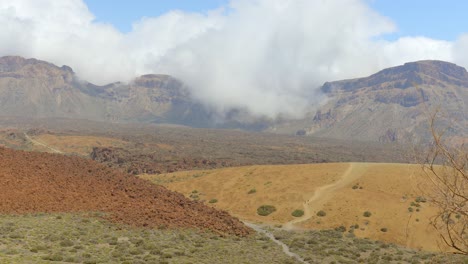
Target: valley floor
(383,201)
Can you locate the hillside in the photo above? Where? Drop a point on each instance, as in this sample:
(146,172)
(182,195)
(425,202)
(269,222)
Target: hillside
(391,105)
(41,182)
(344,191)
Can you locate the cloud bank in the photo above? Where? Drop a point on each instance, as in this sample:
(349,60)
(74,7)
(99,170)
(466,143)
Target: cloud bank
(266,56)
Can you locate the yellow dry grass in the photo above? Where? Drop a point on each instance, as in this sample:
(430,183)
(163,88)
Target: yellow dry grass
(385,190)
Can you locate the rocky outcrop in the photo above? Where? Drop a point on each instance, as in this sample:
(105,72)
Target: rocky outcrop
(393,104)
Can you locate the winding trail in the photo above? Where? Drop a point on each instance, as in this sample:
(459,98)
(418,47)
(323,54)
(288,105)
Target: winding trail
(316,202)
(285,247)
(325,193)
(35,142)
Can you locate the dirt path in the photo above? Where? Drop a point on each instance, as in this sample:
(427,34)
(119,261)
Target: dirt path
(35,142)
(285,247)
(325,193)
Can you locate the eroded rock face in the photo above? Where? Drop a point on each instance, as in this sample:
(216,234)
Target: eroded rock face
(41,182)
(393,104)
(34,88)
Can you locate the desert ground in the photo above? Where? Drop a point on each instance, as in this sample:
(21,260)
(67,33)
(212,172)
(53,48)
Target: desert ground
(395,229)
(344,191)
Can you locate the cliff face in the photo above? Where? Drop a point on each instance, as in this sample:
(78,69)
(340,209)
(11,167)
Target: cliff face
(393,104)
(34,88)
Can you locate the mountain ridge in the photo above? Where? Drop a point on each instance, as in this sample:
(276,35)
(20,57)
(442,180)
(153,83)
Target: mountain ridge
(392,104)
(35,88)
(386,106)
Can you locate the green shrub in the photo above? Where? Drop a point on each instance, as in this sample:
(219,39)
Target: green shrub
(383,229)
(420,199)
(297,213)
(213,201)
(367,214)
(410,209)
(321,213)
(340,229)
(265,210)
(252,191)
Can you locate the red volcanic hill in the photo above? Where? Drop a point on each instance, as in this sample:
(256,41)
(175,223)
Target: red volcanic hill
(41,182)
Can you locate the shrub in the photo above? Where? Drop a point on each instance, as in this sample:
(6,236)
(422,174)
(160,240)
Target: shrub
(252,191)
(213,201)
(265,210)
(410,209)
(340,229)
(297,213)
(383,229)
(367,214)
(321,213)
(420,199)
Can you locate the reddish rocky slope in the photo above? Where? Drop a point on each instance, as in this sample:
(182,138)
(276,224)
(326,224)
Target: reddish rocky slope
(42,182)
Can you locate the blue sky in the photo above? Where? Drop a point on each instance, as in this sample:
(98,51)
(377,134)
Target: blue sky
(431,18)
(121,13)
(439,19)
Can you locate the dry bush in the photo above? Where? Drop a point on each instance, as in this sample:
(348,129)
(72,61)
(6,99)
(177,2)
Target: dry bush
(446,167)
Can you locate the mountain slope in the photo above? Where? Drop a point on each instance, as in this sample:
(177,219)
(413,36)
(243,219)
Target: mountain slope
(34,88)
(393,104)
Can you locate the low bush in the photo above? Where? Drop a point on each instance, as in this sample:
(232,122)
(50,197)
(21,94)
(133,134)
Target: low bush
(367,214)
(265,210)
(321,213)
(297,213)
(213,201)
(340,229)
(420,199)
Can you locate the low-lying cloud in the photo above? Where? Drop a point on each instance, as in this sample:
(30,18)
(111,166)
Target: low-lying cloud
(266,56)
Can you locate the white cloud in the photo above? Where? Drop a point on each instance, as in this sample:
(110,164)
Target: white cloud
(268,56)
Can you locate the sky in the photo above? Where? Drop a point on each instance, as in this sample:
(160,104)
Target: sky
(431,18)
(268,57)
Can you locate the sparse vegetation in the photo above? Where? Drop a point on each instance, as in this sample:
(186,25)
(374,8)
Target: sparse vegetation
(252,191)
(333,246)
(265,210)
(45,238)
(341,229)
(367,214)
(321,213)
(213,201)
(297,213)
(420,199)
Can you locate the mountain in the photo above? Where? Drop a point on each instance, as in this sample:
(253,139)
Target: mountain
(34,88)
(391,105)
